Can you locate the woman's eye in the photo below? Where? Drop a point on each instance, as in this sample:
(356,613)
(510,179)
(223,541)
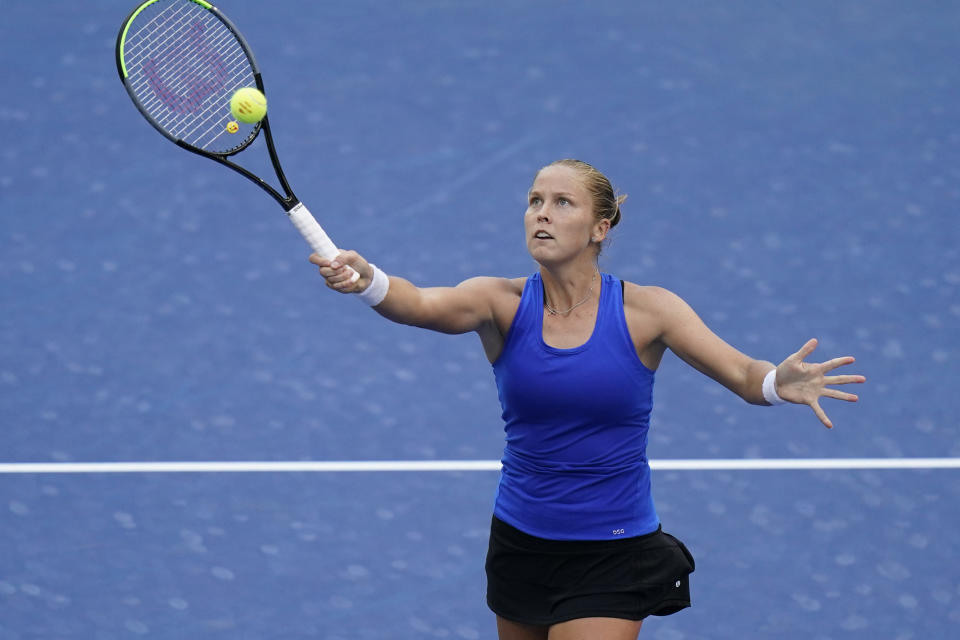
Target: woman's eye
(534,202)
(563,202)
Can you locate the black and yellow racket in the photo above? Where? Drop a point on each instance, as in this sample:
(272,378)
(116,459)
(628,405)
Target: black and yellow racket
(181,62)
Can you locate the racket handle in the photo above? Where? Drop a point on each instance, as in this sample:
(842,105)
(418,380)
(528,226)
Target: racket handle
(314,234)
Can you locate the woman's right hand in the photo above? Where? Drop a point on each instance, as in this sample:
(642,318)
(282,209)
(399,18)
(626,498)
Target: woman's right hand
(337,273)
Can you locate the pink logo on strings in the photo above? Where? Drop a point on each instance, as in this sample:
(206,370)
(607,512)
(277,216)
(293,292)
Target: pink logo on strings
(194,85)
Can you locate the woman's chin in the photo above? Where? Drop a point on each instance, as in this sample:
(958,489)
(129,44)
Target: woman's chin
(542,254)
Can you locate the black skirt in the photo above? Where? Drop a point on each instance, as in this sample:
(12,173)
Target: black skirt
(536,581)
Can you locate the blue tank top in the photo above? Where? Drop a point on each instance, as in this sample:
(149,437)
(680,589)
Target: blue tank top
(576,421)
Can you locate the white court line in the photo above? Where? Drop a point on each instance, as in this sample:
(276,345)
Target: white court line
(774,464)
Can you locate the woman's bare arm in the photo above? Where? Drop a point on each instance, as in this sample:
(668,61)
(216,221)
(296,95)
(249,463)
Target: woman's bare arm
(684,333)
(469,306)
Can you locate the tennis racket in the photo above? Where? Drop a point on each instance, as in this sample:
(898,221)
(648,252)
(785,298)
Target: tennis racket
(181,61)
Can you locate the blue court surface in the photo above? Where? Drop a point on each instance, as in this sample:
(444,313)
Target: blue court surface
(793,171)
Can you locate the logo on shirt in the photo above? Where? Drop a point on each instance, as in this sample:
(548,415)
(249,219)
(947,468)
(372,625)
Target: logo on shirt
(619,532)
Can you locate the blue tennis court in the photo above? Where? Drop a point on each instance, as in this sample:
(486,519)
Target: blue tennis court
(793,171)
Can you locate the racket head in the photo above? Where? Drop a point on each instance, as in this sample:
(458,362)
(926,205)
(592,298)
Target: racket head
(181,61)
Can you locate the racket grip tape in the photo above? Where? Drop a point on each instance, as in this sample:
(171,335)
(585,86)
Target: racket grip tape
(314,234)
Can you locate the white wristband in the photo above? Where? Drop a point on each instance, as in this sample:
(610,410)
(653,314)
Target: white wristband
(770,389)
(376,291)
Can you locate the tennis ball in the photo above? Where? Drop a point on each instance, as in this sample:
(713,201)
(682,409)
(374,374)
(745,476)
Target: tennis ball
(232,127)
(248,105)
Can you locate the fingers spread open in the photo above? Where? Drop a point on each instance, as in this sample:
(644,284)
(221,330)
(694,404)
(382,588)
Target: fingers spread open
(839,395)
(843,379)
(821,415)
(832,364)
(806,349)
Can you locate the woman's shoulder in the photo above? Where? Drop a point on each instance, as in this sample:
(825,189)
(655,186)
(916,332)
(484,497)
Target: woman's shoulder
(495,285)
(501,294)
(646,292)
(650,298)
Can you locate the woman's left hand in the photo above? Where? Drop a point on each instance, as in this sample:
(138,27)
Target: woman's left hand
(806,382)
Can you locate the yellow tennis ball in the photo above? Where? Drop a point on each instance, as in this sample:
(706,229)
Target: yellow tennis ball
(232,127)
(248,105)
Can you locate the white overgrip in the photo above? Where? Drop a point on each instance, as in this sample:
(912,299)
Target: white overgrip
(314,234)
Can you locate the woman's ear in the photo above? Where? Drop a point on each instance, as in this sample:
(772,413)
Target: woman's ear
(600,230)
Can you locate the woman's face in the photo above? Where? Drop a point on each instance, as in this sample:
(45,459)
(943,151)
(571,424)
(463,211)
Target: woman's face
(560,222)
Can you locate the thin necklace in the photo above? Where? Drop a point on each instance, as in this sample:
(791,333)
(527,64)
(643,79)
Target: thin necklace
(554,312)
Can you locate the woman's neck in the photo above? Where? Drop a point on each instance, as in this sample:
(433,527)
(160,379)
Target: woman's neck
(568,288)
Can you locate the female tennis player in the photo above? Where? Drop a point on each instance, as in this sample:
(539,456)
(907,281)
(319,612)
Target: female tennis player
(576,549)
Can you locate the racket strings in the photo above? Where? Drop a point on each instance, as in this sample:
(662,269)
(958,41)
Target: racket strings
(191,71)
(184,65)
(158,37)
(167,61)
(214,112)
(146,37)
(175,57)
(159,34)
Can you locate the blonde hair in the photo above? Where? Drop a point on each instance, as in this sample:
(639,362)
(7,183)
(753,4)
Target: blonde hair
(605,201)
